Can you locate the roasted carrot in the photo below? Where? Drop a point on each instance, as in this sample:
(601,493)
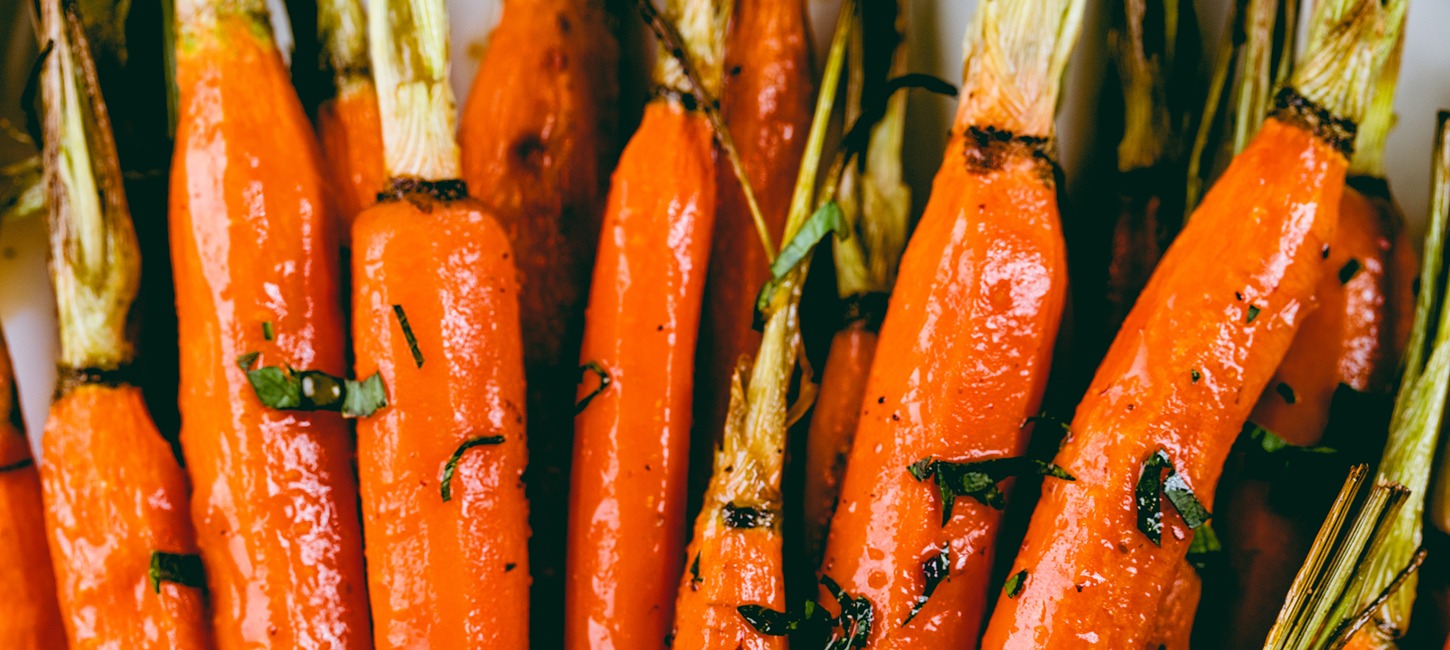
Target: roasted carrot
(537,138)
(347,123)
(115,494)
(876,205)
(766,102)
(970,345)
(32,620)
(732,594)
(436,316)
(631,445)
(1214,321)
(275,503)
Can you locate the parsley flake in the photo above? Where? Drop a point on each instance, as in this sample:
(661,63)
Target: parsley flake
(445,487)
(979,479)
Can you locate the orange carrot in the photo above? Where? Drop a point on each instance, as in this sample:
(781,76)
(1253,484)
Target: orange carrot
(32,620)
(537,139)
(1214,321)
(115,495)
(347,123)
(436,318)
(627,505)
(275,503)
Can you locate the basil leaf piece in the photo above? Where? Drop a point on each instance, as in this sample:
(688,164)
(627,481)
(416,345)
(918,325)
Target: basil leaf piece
(276,388)
(933,571)
(812,625)
(267,330)
(363,398)
(1204,551)
(402,319)
(854,623)
(445,487)
(1348,271)
(183,569)
(1181,495)
(286,389)
(1252,314)
(604,381)
(246,361)
(979,479)
(1015,583)
(1152,485)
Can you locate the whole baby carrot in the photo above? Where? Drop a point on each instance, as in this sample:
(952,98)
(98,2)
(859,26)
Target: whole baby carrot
(115,494)
(33,619)
(537,135)
(971,326)
(631,433)
(436,317)
(1214,321)
(275,502)
(347,123)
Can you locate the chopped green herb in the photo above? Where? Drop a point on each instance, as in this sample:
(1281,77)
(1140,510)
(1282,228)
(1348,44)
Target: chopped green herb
(363,398)
(408,334)
(854,623)
(445,487)
(1152,486)
(19,464)
(826,219)
(979,479)
(695,578)
(286,389)
(813,625)
(277,388)
(183,569)
(1194,374)
(1348,271)
(1204,550)
(1015,583)
(772,623)
(246,361)
(1268,455)
(604,381)
(1287,392)
(267,330)
(933,571)
(1253,313)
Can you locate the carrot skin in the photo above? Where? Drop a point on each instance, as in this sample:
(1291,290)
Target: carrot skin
(539,161)
(275,502)
(442,574)
(971,324)
(737,566)
(97,439)
(627,506)
(351,136)
(32,619)
(1175,623)
(1094,575)
(833,427)
(767,102)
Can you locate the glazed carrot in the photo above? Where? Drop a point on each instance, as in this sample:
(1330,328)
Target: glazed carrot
(1214,321)
(970,347)
(436,315)
(537,139)
(631,445)
(876,205)
(115,495)
(347,123)
(32,620)
(766,102)
(255,268)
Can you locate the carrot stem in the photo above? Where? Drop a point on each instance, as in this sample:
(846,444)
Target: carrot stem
(415,102)
(342,27)
(1010,81)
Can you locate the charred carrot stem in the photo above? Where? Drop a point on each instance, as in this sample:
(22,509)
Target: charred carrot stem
(115,495)
(538,141)
(631,444)
(766,101)
(33,618)
(436,315)
(347,123)
(1170,379)
(275,503)
(947,324)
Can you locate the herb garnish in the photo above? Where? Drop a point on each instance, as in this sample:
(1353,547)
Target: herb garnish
(1204,550)
(288,389)
(1268,455)
(246,361)
(1015,583)
(849,630)
(1287,392)
(1347,272)
(267,330)
(979,479)
(933,571)
(1152,484)
(1253,313)
(746,516)
(408,334)
(362,398)
(604,381)
(1195,375)
(183,569)
(19,464)
(826,219)
(445,487)
(695,578)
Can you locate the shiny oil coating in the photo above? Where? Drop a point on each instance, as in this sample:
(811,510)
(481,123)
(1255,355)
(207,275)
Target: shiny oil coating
(1175,621)
(971,326)
(753,573)
(1094,578)
(833,427)
(114,493)
(442,574)
(31,619)
(767,102)
(351,135)
(275,502)
(627,501)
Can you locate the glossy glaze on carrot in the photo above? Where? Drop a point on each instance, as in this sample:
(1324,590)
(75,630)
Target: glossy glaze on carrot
(537,135)
(833,425)
(32,619)
(627,507)
(275,500)
(1223,307)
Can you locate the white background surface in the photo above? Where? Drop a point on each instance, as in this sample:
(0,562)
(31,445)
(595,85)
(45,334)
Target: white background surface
(25,303)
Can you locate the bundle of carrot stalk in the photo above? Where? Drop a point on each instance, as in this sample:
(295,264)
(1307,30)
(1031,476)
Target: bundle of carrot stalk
(487,379)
